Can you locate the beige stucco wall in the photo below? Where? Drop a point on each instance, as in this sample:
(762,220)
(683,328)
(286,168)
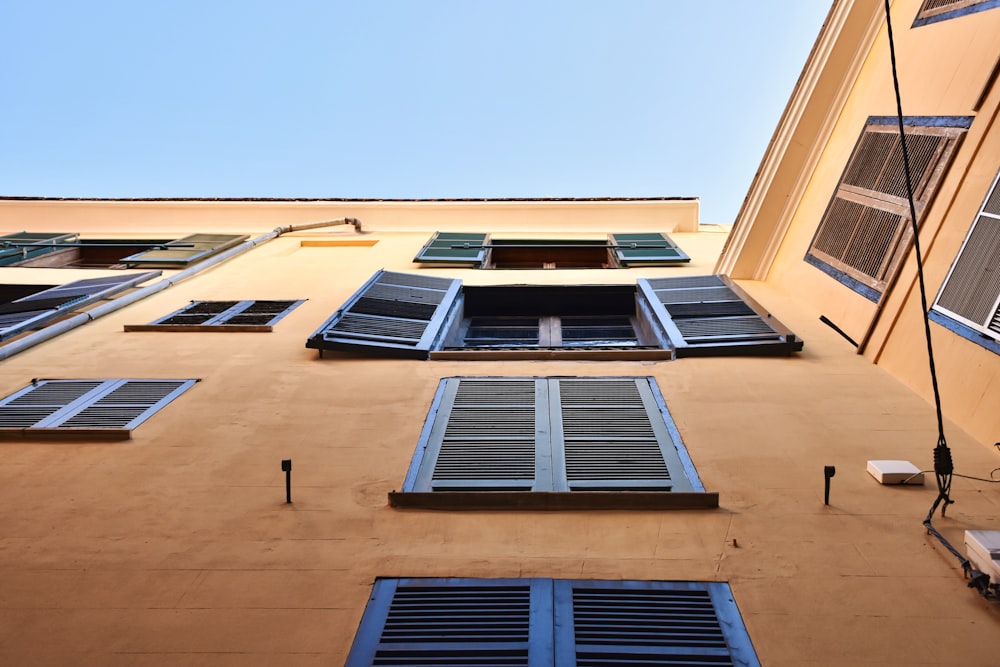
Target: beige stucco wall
(177,548)
(97,216)
(944,69)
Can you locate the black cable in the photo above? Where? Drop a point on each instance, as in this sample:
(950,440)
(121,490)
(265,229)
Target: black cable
(944,468)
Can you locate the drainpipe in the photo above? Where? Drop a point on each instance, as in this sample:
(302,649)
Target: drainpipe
(61,327)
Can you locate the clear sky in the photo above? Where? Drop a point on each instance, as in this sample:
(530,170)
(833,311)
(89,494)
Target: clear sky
(396,98)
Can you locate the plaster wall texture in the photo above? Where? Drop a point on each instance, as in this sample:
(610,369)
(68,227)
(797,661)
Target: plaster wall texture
(176,547)
(944,69)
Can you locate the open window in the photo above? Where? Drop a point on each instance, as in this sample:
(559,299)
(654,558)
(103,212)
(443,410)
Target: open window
(551,443)
(38,308)
(64,250)
(474,250)
(423,317)
(550,623)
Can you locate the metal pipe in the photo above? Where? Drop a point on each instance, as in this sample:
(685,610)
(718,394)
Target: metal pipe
(53,330)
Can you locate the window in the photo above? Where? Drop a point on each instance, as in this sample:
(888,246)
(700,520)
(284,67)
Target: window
(866,231)
(970,294)
(221,316)
(932,11)
(38,308)
(472,250)
(63,250)
(91,409)
(520,442)
(550,623)
(406,315)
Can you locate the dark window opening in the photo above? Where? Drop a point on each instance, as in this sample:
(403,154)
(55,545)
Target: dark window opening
(549,255)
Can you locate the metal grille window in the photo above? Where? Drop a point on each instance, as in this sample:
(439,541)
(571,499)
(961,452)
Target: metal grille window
(932,11)
(99,409)
(550,623)
(971,291)
(398,314)
(221,316)
(866,231)
(546,436)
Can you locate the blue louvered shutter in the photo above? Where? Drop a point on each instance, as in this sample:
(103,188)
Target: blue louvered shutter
(710,315)
(393,314)
(222,313)
(469,622)
(87,404)
(647,249)
(453,249)
(489,434)
(614,623)
(36,309)
(608,434)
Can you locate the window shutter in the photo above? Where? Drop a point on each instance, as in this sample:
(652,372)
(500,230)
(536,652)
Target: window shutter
(489,435)
(866,229)
(13,249)
(88,404)
(611,623)
(36,309)
(710,315)
(650,249)
(971,292)
(184,251)
(612,437)
(236,315)
(453,249)
(469,622)
(393,314)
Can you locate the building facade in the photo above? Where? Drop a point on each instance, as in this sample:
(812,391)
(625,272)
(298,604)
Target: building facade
(513,432)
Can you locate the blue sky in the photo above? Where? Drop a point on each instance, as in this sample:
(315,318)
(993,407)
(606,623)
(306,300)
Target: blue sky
(396,99)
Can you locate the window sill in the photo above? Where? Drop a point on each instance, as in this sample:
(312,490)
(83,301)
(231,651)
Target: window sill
(553,500)
(64,434)
(965,331)
(515,354)
(230,328)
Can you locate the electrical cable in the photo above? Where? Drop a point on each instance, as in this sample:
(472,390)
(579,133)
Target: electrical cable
(944,468)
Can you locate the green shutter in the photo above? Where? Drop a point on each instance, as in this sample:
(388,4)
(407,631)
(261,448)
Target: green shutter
(17,247)
(393,314)
(711,315)
(184,251)
(650,249)
(453,249)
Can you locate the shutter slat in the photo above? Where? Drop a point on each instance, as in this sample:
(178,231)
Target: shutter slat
(647,249)
(713,316)
(453,249)
(59,299)
(393,314)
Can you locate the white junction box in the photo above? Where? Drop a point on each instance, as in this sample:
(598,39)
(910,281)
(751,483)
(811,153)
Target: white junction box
(983,548)
(895,472)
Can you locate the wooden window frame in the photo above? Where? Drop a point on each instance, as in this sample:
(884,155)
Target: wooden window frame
(84,409)
(547,453)
(37,310)
(931,12)
(550,622)
(858,221)
(970,292)
(222,316)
